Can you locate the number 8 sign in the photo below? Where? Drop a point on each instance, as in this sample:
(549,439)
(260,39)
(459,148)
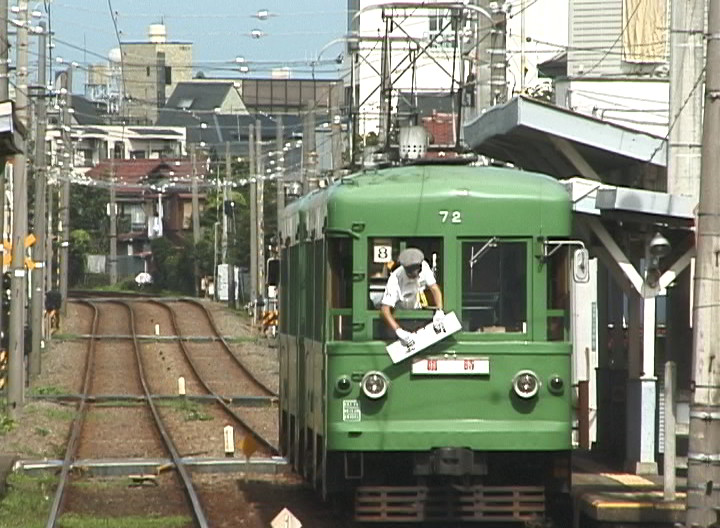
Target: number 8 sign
(382,253)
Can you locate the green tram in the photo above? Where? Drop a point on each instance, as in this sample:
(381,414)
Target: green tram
(478,426)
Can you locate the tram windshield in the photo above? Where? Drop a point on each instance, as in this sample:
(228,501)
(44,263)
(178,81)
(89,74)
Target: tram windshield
(382,257)
(494,286)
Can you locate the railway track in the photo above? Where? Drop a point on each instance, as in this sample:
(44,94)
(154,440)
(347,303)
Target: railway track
(182,478)
(104,382)
(116,469)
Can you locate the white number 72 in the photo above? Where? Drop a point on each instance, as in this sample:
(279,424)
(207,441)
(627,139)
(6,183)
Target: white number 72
(454,216)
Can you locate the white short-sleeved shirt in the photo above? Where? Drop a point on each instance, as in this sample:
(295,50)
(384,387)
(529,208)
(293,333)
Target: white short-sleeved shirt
(402,292)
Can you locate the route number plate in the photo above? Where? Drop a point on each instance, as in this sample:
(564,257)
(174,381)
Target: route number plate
(454,366)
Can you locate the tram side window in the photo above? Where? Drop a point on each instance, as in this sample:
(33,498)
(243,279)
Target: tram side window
(319,305)
(558,296)
(494,286)
(382,257)
(339,254)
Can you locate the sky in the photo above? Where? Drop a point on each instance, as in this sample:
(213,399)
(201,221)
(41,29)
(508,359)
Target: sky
(220,30)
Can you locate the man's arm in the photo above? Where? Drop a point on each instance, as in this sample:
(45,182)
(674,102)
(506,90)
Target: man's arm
(437,296)
(386,311)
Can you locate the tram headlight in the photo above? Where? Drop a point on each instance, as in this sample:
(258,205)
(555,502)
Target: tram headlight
(343,384)
(375,384)
(526,384)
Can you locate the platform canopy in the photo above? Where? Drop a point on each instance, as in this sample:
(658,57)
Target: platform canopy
(542,137)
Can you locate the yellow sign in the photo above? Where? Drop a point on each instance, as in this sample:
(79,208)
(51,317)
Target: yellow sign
(30,240)
(249,445)
(29,263)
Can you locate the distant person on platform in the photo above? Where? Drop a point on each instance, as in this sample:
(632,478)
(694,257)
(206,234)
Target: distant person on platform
(403,290)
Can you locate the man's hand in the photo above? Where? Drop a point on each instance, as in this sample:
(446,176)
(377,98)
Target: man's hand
(438,325)
(405,337)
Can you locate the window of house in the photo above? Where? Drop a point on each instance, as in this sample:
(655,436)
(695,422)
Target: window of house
(168,75)
(494,286)
(147,71)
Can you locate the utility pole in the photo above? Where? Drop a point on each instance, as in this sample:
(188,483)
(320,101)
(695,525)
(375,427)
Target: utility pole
(16,363)
(253,221)
(4,96)
(228,169)
(498,56)
(113,224)
(260,217)
(65,193)
(309,174)
(687,67)
(703,486)
(280,174)
(38,249)
(385,86)
(4,52)
(225,235)
(195,216)
(336,131)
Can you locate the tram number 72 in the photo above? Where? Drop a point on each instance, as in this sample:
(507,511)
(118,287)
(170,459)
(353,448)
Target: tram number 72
(454,217)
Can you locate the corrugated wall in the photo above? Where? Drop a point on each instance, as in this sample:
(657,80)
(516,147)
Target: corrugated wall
(595,43)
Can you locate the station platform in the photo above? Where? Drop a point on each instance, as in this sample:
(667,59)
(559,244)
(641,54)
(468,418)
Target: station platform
(606,497)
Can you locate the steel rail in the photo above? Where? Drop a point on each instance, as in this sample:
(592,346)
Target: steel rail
(220,400)
(77,425)
(174,455)
(221,338)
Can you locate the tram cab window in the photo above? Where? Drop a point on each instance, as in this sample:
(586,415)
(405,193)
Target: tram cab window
(339,255)
(558,300)
(494,286)
(382,257)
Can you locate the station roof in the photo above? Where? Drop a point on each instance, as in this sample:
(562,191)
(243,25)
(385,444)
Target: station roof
(522,131)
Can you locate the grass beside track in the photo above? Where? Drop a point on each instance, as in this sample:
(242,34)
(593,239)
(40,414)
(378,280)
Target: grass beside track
(88,521)
(27,502)
(28,499)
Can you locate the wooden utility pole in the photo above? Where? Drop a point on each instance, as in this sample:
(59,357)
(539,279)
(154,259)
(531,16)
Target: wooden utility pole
(40,228)
(65,193)
(703,487)
(16,361)
(260,217)
(253,219)
(195,218)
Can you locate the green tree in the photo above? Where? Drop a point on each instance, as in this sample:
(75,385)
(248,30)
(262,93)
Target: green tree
(88,211)
(78,251)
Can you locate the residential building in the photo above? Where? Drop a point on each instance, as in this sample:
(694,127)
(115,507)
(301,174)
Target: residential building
(154,199)
(94,140)
(617,63)
(151,71)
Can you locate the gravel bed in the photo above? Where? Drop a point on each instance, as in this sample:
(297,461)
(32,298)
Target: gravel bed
(120,432)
